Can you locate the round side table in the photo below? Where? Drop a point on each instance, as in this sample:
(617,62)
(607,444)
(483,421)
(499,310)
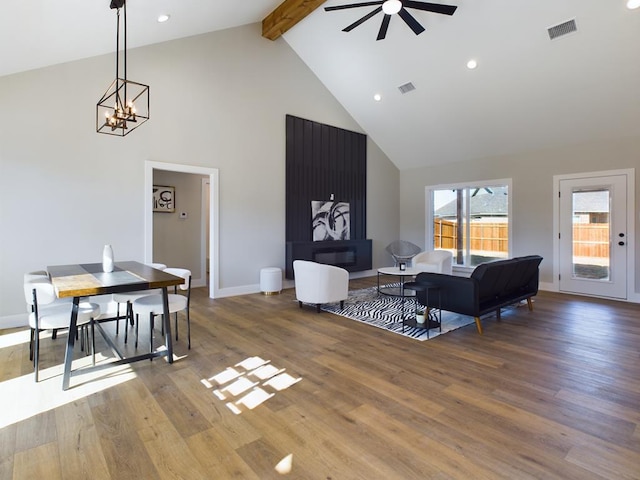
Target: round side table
(431,321)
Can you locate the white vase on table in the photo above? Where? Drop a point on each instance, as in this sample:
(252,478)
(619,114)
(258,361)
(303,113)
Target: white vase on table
(107,259)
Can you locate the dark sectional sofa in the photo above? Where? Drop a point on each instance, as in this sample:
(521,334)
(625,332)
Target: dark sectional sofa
(490,287)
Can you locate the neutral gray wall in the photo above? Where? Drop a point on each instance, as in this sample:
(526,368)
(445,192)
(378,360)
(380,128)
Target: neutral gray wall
(218,100)
(383,204)
(177,242)
(532,195)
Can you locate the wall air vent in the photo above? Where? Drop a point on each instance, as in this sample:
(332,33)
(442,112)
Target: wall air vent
(406,88)
(562,29)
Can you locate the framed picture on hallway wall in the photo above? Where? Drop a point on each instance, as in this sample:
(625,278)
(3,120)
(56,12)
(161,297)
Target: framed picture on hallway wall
(164,198)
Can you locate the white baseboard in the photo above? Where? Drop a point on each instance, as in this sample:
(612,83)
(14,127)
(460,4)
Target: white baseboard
(235,291)
(14,321)
(548,287)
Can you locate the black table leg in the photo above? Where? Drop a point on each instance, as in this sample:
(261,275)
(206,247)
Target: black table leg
(71,338)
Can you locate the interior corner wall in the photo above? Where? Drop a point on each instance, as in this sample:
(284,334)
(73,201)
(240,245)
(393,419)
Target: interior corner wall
(177,238)
(532,191)
(218,100)
(383,204)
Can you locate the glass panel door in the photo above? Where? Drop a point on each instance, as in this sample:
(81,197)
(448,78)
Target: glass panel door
(593,252)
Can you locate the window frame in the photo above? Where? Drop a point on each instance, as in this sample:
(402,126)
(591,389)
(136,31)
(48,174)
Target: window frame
(429,202)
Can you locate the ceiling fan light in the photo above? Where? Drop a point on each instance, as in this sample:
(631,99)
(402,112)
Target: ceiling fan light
(391,7)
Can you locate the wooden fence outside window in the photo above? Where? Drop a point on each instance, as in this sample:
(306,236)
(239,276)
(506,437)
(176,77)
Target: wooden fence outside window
(589,239)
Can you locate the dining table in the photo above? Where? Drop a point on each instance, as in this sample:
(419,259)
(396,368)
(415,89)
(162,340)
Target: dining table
(89,279)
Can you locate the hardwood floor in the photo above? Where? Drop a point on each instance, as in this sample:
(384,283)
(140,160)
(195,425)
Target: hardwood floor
(553,394)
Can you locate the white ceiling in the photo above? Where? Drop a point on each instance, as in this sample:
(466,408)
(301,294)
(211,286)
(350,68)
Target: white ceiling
(528,91)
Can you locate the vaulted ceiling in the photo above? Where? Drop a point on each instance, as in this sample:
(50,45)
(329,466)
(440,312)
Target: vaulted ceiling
(527,92)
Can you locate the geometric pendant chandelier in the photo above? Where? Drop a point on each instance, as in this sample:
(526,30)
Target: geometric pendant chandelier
(125,104)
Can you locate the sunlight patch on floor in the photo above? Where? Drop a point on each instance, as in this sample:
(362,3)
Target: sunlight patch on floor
(15,338)
(247,380)
(23,398)
(284,466)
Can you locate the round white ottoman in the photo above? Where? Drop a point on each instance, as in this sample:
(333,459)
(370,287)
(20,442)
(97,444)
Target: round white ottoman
(271,280)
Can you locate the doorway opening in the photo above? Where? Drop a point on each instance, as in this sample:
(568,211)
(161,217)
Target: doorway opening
(209,224)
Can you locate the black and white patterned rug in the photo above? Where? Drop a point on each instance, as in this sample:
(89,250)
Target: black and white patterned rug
(384,311)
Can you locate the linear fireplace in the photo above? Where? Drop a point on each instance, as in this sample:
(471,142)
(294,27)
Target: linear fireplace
(352,255)
(341,257)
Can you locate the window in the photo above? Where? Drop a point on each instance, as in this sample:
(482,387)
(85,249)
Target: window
(471,220)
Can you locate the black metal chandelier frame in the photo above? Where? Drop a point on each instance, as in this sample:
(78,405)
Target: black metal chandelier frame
(125,104)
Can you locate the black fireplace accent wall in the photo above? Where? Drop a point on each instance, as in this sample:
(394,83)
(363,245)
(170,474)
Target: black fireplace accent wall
(323,160)
(325,163)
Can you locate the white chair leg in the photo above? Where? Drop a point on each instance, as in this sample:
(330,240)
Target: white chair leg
(93,343)
(151,335)
(31,343)
(137,325)
(188,330)
(36,354)
(118,321)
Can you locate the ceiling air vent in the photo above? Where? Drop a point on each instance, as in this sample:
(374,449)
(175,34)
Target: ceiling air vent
(406,88)
(562,29)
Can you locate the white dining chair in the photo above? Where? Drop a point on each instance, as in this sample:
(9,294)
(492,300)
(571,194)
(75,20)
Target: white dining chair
(129,297)
(152,305)
(46,313)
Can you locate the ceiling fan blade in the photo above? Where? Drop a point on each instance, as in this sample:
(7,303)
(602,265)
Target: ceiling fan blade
(362,20)
(383,27)
(411,21)
(353,5)
(430,7)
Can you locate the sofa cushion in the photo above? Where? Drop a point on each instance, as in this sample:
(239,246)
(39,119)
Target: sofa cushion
(493,277)
(526,271)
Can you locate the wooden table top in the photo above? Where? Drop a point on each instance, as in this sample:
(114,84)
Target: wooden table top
(83,280)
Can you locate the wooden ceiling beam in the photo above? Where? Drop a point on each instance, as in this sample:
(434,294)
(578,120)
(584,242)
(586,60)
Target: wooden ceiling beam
(286,15)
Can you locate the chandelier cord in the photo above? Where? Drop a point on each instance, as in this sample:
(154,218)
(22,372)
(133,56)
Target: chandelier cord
(125,52)
(118,58)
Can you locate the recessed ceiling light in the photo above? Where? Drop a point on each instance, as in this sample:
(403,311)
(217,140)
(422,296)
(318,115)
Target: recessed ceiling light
(163,18)
(633,4)
(377,97)
(471,64)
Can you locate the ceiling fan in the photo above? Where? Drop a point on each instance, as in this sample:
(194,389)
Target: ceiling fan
(391,7)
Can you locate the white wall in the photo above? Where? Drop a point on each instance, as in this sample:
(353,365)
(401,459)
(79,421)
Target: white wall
(217,100)
(532,193)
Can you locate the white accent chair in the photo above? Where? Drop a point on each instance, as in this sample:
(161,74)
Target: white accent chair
(152,305)
(48,313)
(434,261)
(317,283)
